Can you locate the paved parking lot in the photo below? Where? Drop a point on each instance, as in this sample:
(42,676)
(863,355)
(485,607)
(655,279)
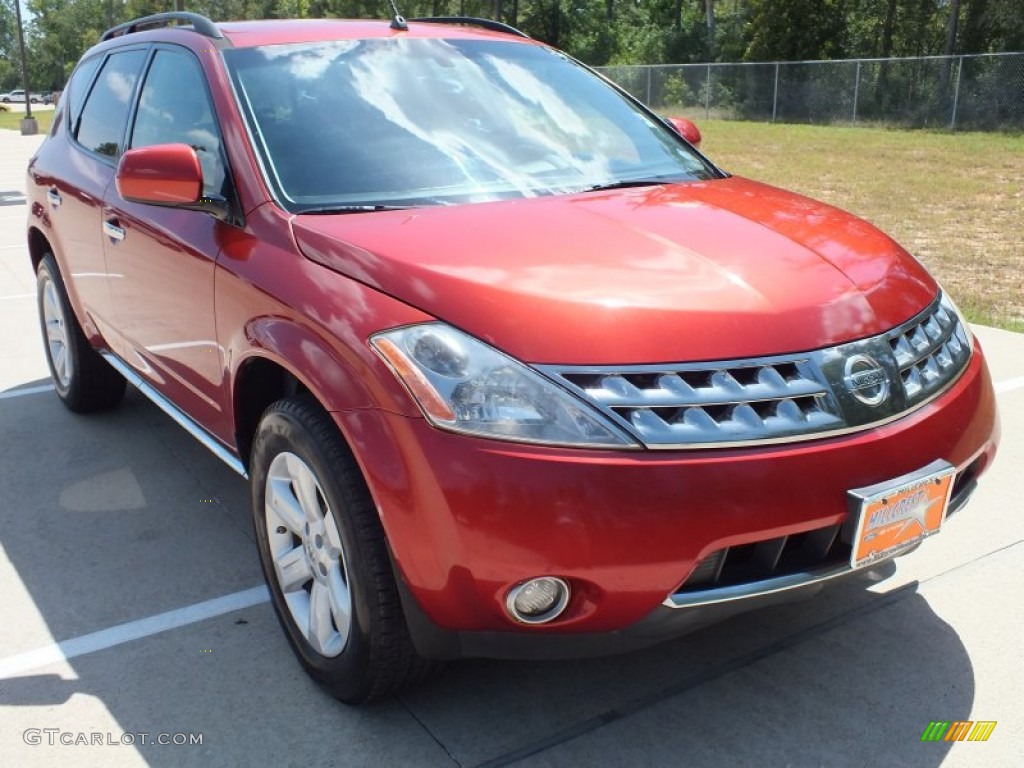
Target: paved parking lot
(131,603)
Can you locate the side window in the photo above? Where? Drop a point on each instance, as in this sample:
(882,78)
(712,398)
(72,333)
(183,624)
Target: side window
(79,87)
(101,124)
(175,108)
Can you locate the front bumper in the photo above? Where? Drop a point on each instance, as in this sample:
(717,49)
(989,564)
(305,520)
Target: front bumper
(468,518)
(658,626)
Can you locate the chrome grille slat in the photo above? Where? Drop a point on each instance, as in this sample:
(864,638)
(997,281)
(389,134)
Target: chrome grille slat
(929,351)
(781,398)
(616,391)
(921,340)
(695,423)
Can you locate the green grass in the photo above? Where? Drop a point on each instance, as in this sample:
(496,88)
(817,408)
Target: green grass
(12,120)
(956,201)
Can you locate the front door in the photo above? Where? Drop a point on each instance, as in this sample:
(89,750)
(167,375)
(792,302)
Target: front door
(161,261)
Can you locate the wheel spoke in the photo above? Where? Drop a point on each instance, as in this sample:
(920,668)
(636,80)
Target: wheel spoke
(333,537)
(337,583)
(321,630)
(305,490)
(69,364)
(341,601)
(50,299)
(284,505)
(60,362)
(292,570)
(54,332)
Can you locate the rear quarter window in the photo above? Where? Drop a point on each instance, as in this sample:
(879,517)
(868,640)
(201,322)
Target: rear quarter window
(78,88)
(101,125)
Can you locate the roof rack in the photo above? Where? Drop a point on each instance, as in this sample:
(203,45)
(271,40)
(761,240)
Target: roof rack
(473,21)
(199,23)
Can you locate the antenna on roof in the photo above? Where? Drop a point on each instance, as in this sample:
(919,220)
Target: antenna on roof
(397,21)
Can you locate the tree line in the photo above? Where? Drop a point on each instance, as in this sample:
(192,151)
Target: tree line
(596,31)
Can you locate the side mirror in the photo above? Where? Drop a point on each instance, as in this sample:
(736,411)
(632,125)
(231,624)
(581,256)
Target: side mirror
(686,129)
(168,175)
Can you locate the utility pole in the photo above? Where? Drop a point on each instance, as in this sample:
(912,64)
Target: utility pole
(29,125)
(179,5)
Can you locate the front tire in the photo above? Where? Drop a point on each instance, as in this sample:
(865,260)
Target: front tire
(84,381)
(325,559)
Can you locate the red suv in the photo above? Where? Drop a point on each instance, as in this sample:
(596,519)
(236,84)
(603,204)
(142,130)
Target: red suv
(512,369)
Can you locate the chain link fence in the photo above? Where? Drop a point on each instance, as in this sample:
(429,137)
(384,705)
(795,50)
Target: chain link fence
(982,92)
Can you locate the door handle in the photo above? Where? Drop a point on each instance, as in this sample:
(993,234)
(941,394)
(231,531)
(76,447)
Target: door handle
(113,231)
(54,197)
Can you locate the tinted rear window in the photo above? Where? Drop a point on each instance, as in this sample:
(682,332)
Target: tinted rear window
(101,126)
(78,88)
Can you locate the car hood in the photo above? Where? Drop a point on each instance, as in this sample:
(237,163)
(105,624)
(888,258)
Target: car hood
(709,270)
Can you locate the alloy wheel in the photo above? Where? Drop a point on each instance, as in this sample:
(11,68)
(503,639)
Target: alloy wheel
(308,555)
(57,334)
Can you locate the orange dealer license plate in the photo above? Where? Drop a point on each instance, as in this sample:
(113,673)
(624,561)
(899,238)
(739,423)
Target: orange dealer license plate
(896,515)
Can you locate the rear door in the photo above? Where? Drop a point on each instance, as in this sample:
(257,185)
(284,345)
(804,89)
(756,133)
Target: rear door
(161,260)
(76,167)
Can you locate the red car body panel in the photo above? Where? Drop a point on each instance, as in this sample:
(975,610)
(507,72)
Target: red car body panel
(467,517)
(161,288)
(81,181)
(644,276)
(713,270)
(274,304)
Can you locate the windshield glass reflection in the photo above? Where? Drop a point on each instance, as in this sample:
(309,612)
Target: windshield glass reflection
(386,122)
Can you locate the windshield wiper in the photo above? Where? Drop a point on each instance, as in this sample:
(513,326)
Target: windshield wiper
(352,209)
(627,183)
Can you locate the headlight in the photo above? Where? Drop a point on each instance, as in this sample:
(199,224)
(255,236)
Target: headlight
(463,385)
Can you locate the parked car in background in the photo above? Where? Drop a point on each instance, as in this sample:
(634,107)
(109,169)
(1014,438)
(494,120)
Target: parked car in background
(18,95)
(511,368)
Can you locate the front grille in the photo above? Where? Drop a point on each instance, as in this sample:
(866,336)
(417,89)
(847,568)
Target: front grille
(788,397)
(701,405)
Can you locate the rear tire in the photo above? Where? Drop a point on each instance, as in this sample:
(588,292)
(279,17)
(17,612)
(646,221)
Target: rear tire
(325,558)
(83,379)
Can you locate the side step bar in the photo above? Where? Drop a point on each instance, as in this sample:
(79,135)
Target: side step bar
(165,405)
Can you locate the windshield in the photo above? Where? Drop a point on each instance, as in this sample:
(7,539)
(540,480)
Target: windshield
(410,122)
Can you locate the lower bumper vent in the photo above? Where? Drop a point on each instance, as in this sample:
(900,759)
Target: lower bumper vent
(767,559)
(808,553)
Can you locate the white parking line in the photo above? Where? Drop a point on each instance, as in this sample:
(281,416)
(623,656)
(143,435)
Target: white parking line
(28,391)
(1009,385)
(132,630)
(18,296)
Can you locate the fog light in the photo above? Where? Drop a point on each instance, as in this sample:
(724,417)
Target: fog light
(538,600)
